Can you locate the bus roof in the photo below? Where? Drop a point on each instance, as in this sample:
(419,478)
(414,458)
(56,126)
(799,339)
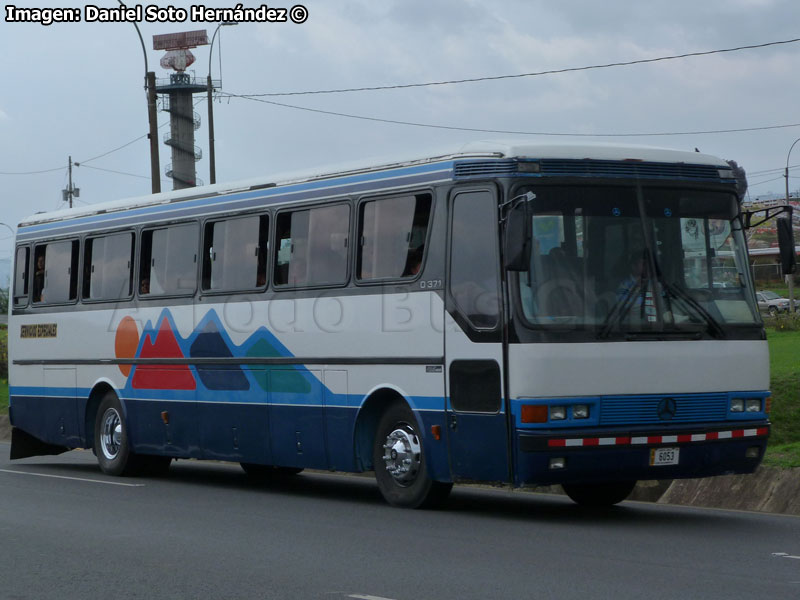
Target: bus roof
(471,150)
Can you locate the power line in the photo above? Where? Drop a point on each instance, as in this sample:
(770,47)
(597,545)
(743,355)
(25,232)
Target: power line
(766,181)
(32,172)
(112,171)
(533,74)
(506,131)
(83,162)
(768,171)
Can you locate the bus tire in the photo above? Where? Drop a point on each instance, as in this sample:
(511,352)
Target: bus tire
(598,495)
(111,443)
(398,456)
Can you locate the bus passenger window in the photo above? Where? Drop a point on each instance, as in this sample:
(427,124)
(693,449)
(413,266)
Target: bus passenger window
(108,267)
(55,277)
(235,254)
(392,233)
(21,276)
(312,246)
(168,261)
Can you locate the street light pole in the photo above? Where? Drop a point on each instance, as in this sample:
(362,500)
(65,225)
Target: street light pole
(790,277)
(150,86)
(212,166)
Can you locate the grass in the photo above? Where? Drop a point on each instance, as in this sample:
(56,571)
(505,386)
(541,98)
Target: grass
(784,456)
(784,358)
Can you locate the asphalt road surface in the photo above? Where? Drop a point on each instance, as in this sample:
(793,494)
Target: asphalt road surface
(67,531)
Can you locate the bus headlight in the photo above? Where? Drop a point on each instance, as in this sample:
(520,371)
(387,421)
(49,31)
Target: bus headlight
(558,413)
(752,405)
(580,411)
(737,405)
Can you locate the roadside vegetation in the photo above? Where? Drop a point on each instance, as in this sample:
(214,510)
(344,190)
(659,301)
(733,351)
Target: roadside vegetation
(784,350)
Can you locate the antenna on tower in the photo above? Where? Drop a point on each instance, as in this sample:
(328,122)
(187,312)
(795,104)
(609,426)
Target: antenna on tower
(179,89)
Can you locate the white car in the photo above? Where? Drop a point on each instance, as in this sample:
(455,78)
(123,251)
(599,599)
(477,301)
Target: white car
(772,303)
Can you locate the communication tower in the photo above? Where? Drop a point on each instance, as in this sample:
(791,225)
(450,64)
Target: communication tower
(176,93)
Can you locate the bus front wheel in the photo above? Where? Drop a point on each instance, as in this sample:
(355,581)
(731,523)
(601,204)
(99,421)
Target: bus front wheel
(111,443)
(399,459)
(599,494)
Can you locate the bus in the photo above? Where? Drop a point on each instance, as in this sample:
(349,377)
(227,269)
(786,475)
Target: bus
(521,315)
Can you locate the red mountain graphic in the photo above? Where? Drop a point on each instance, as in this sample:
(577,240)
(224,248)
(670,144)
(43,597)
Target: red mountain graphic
(162,377)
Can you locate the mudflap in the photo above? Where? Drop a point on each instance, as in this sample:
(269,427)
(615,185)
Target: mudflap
(24,445)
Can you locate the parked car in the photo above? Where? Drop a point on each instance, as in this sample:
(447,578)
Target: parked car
(773,303)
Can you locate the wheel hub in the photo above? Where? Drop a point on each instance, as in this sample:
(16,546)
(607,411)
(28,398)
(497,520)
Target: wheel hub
(111,436)
(402,456)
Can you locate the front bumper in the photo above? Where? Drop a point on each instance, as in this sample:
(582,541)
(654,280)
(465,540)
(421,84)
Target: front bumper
(625,455)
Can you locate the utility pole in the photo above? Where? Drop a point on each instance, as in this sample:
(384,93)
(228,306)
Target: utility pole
(155,177)
(71,190)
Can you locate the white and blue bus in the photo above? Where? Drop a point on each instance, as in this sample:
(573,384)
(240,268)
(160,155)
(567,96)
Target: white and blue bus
(514,314)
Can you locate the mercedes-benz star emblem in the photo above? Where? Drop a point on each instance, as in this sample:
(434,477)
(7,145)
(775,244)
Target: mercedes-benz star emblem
(667,409)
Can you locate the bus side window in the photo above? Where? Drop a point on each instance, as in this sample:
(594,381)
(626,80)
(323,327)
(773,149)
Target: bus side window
(55,277)
(168,260)
(108,267)
(21,278)
(392,233)
(234,254)
(474,266)
(312,246)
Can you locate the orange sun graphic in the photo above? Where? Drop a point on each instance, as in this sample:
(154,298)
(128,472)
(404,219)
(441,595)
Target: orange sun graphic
(126,342)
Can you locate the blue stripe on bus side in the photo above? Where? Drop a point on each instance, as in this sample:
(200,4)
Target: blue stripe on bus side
(350,401)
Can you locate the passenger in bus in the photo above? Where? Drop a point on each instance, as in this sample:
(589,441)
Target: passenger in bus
(414,262)
(38,279)
(144,286)
(635,277)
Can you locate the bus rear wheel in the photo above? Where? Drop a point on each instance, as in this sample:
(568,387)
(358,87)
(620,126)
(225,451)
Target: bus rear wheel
(111,443)
(599,494)
(399,459)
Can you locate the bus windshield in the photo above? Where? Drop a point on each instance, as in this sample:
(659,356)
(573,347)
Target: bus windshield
(621,260)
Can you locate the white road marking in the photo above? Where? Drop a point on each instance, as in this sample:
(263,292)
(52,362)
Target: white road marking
(784,555)
(367,597)
(72,478)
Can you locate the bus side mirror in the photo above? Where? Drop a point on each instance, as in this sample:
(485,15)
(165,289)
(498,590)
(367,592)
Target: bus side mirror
(786,246)
(517,246)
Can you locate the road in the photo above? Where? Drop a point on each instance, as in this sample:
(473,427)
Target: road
(68,531)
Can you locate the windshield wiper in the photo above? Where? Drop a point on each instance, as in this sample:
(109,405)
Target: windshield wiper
(713,325)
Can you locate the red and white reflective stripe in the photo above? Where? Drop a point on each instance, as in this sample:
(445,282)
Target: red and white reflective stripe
(683,438)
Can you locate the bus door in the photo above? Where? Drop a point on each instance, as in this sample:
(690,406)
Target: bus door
(476,420)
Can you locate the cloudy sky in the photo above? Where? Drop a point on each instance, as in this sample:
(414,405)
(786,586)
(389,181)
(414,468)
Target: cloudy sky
(77,89)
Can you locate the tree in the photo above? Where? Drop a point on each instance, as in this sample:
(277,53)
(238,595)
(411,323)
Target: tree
(741,178)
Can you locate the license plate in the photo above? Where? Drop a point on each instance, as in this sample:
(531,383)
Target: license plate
(664,456)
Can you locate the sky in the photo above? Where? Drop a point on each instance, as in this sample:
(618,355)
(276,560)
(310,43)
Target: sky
(76,89)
